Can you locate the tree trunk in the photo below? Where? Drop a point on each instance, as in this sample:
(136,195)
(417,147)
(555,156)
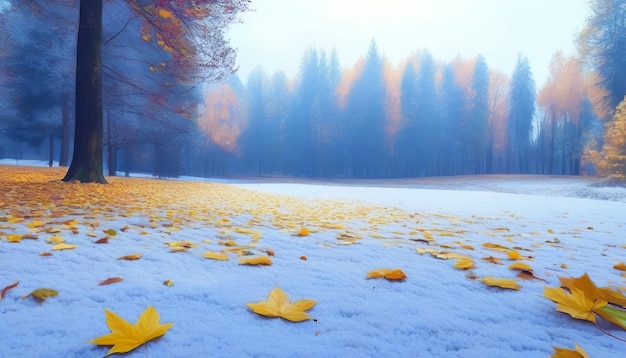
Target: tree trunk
(111,150)
(88,148)
(65,137)
(51,151)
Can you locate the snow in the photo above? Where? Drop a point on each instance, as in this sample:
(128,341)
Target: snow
(437,312)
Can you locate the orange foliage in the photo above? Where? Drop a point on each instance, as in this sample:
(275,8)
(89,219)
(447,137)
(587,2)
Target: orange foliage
(565,89)
(222,121)
(393,78)
(348,77)
(498,108)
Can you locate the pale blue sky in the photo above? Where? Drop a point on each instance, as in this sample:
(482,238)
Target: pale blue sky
(276,35)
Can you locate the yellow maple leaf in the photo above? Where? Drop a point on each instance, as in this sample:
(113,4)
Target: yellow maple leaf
(278,305)
(125,337)
(501,282)
(14,238)
(569,353)
(396,274)
(520,266)
(578,303)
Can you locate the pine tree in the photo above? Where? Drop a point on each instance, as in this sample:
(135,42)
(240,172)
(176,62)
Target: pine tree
(520,118)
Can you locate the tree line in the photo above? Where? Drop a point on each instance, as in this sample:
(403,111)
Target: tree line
(370,119)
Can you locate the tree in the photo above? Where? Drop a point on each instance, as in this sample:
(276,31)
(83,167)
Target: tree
(520,117)
(191,32)
(365,120)
(613,159)
(602,44)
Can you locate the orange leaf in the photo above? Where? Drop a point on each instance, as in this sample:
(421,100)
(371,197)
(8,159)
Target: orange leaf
(303,258)
(620,266)
(45,254)
(304,232)
(4,290)
(396,274)
(110,280)
(130,257)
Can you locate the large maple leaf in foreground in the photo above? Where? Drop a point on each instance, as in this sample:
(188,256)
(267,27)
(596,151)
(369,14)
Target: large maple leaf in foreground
(125,337)
(278,305)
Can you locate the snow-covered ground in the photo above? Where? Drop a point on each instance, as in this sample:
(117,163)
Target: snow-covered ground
(563,226)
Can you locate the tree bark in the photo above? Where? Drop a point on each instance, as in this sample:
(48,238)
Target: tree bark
(86,164)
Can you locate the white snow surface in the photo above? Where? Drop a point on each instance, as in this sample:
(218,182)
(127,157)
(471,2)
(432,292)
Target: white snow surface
(438,311)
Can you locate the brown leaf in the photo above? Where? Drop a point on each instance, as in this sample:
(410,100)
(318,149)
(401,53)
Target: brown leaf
(104,240)
(6,289)
(110,280)
(130,257)
(620,266)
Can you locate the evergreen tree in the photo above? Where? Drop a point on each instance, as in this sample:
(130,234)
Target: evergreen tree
(451,111)
(366,122)
(602,43)
(520,118)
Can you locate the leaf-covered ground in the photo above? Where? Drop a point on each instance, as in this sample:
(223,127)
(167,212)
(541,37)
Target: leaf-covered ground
(322,241)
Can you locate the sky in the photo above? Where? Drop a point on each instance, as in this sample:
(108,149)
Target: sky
(278,32)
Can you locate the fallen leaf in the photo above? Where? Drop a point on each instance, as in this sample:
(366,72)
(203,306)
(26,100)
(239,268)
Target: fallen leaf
(125,337)
(110,232)
(255,260)
(514,255)
(464,264)
(110,280)
(278,305)
(45,254)
(104,240)
(55,240)
(496,247)
(215,256)
(63,246)
(396,274)
(14,238)
(520,266)
(168,283)
(620,266)
(493,260)
(41,294)
(569,353)
(577,303)
(304,232)
(501,282)
(303,258)
(130,257)
(6,289)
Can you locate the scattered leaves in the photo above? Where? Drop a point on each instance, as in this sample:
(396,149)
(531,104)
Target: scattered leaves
(278,305)
(125,337)
(395,274)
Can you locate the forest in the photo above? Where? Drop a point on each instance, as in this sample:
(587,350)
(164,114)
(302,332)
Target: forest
(172,106)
